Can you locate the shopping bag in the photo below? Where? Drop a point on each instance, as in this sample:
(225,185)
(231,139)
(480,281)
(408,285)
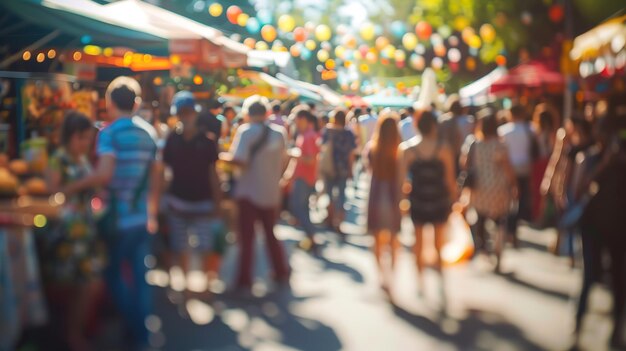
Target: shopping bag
(459,245)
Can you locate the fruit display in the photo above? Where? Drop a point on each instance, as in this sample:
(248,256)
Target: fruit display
(19,167)
(36,187)
(9,184)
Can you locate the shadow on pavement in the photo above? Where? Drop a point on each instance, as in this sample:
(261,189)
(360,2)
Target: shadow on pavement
(244,323)
(511,278)
(479,331)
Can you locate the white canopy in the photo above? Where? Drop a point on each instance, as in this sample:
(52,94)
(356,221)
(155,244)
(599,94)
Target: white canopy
(477,93)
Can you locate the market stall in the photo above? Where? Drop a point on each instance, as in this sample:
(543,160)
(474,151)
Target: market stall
(477,93)
(259,83)
(388,99)
(532,77)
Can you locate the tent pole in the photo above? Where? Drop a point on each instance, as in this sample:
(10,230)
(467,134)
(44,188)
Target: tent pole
(33,46)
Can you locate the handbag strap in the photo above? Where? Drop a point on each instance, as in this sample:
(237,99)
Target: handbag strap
(256,147)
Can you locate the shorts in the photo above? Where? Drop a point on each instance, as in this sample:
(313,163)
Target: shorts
(195,233)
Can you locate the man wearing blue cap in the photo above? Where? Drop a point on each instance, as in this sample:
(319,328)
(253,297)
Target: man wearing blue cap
(194,193)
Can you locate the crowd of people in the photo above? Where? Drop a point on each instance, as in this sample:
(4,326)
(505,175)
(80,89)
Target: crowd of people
(146,183)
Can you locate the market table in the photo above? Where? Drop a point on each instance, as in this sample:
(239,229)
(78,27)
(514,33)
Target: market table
(21,297)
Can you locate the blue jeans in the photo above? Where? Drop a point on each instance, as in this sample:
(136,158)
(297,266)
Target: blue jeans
(339,199)
(126,279)
(299,203)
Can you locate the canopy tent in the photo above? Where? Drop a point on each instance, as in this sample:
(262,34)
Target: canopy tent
(326,95)
(609,36)
(477,93)
(134,24)
(182,33)
(259,83)
(530,75)
(84,18)
(386,99)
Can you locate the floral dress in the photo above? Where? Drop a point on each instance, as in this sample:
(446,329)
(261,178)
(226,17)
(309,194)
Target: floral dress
(72,251)
(492,194)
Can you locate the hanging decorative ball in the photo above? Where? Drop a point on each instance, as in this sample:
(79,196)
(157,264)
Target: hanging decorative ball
(253,26)
(299,34)
(323,32)
(310,44)
(381,43)
(233,13)
(454,55)
(367,31)
(261,46)
(398,28)
(216,9)
(409,41)
(423,30)
(501,60)
(323,55)
(249,42)
(487,33)
(286,23)
(330,64)
(556,13)
(268,33)
(242,20)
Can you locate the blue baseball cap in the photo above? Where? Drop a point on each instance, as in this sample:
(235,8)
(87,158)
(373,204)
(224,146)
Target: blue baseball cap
(183,99)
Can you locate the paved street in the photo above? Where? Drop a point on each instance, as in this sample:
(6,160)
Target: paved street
(335,302)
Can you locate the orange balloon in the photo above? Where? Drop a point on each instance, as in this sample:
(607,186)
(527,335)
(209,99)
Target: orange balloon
(423,30)
(381,43)
(233,13)
(249,42)
(268,33)
(299,34)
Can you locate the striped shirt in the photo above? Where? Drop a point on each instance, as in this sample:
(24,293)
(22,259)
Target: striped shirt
(132,141)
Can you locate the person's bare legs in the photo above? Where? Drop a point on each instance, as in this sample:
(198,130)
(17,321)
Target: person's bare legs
(499,245)
(440,239)
(418,250)
(394,246)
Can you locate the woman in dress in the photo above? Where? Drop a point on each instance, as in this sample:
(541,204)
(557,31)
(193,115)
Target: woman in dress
(430,168)
(342,143)
(73,258)
(383,219)
(494,180)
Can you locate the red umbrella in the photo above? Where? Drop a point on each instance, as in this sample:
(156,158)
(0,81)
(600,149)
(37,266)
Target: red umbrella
(528,75)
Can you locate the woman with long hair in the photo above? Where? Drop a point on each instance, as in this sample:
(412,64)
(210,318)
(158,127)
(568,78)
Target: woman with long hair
(383,220)
(429,165)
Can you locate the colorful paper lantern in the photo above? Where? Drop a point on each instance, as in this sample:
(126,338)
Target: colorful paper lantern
(556,13)
(399,56)
(216,9)
(253,26)
(264,16)
(340,52)
(305,55)
(310,44)
(268,33)
(233,13)
(467,34)
(367,31)
(371,57)
(454,55)
(381,43)
(409,41)
(295,50)
(389,51)
(440,50)
(323,32)
(323,55)
(470,64)
(474,42)
(249,42)
(398,29)
(286,23)
(444,31)
(261,46)
(330,64)
(423,30)
(487,33)
(299,34)
(242,20)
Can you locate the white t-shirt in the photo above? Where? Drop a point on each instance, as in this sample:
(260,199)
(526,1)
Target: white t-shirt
(259,180)
(516,137)
(368,127)
(407,129)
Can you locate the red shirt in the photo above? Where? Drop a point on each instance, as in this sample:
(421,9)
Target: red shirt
(307,143)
